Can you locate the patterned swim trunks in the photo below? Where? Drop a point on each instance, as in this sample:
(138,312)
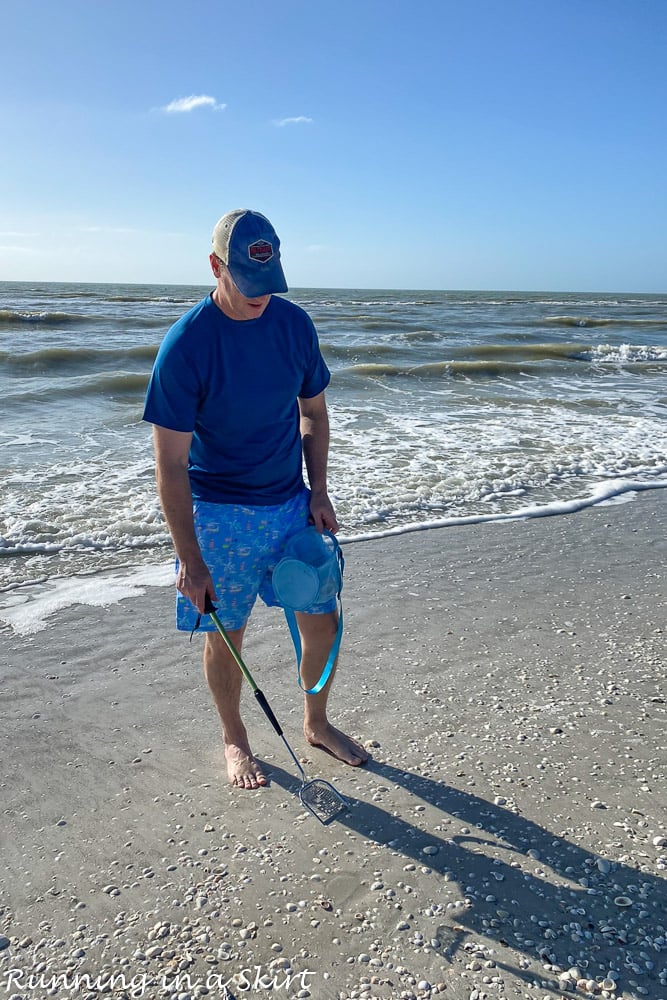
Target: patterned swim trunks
(241,546)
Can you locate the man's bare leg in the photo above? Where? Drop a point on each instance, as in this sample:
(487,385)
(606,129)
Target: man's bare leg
(317,635)
(224,680)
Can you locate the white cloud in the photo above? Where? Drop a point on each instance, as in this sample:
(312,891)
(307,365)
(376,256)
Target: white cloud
(182,105)
(299,120)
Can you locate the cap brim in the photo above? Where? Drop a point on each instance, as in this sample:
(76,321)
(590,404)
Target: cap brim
(269,281)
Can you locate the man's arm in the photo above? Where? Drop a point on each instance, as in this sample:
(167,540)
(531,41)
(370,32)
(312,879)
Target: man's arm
(173,484)
(315,441)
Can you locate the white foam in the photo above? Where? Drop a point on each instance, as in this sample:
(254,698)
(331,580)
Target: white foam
(27,611)
(612,491)
(33,607)
(626,353)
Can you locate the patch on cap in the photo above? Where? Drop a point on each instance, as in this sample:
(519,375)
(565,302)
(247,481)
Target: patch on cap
(260,251)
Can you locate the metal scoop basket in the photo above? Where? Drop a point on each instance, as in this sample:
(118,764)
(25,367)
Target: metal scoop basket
(318,796)
(321,798)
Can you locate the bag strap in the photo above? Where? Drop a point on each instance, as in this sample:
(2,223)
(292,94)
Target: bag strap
(333,652)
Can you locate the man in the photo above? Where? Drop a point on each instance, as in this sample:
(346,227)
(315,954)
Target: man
(237,404)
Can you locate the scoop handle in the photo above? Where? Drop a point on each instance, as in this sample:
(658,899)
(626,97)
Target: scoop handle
(268,711)
(210,609)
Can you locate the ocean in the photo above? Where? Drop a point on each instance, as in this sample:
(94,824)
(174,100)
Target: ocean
(445,407)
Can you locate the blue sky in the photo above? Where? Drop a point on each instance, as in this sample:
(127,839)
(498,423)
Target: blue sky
(485,144)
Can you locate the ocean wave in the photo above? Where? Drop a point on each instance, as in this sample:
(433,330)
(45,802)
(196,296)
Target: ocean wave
(387,323)
(443,369)
(498,360)
(56,358)
(12,317)
(527,351)
(623,353)
(140,299)
(391,300)
(344,302)
(113,384)
(353,352)
(585,321)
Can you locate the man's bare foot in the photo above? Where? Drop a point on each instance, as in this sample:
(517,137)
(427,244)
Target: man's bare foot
(336,743)
(243,770)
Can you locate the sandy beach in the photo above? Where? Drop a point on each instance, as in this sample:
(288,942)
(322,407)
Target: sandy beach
(507,839)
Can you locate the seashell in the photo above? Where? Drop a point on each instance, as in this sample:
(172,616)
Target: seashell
(622,901)
(608,985)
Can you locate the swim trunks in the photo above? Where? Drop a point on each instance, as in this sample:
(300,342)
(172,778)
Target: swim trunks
(241,545)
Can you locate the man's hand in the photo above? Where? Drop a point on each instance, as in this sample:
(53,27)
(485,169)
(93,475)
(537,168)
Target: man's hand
(194,582)
(322,513)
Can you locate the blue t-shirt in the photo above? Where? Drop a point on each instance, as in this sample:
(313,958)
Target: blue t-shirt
(234,385)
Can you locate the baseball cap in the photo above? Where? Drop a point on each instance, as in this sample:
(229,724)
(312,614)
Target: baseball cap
(247,243)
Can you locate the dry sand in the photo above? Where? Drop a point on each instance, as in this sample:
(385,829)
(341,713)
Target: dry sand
(508,839)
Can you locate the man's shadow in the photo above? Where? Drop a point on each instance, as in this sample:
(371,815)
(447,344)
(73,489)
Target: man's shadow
(561,905)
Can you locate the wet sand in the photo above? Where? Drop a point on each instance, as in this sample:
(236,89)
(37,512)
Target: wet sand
(507,839)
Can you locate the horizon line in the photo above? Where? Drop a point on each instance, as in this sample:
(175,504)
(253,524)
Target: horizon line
(347,288)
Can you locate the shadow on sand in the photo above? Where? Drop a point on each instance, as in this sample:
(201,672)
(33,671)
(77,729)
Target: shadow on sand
(560,905)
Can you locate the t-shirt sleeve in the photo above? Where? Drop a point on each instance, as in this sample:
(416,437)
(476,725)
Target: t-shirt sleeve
(317,376)
(173,392)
